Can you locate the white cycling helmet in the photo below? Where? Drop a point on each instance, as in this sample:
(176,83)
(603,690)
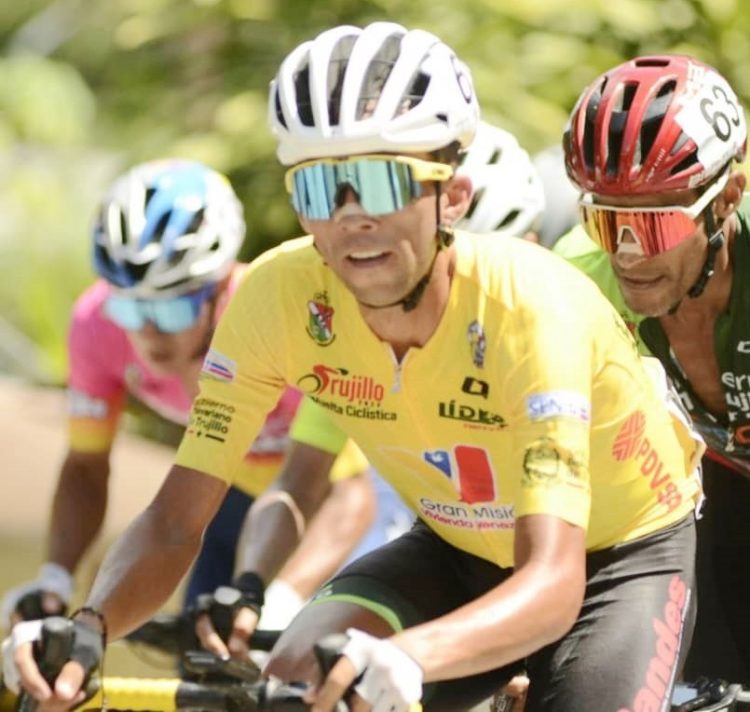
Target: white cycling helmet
(378,89)
(561,196)
(508,194)
(166,228)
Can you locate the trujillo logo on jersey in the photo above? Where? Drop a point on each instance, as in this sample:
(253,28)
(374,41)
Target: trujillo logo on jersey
(320,324)
(632,443)
(362,396)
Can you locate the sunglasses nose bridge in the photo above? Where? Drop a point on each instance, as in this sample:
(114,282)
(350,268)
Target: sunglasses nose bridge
(345,193)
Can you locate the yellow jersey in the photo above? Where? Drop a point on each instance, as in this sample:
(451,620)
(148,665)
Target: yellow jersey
(529,397)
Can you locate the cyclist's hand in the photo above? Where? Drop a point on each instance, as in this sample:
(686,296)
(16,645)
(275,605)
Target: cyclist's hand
(227,617)
(517,688)
(54,584)
(389,679)
(21,670)
(243,625)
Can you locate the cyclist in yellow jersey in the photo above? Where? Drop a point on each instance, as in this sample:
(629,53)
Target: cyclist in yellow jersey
(508,200)
(491,383)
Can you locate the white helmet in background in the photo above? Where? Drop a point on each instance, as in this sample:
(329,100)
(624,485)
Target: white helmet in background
(561,211)
(379,89)
(508,194)
(166,228)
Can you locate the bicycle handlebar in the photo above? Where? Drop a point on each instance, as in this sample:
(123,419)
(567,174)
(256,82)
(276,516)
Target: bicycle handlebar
(175,634)
(714,696)
(172,695)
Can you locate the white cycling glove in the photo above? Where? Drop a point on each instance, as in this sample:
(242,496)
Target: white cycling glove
(52,578)
(24,632)
(391,679)
(282,603)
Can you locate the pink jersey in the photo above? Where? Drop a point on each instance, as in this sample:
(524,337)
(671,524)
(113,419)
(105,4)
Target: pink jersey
(104,369)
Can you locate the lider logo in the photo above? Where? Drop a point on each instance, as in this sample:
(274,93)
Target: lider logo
(629,438)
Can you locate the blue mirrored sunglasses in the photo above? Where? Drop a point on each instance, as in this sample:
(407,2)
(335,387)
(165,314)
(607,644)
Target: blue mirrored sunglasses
(169,316)
(383,183)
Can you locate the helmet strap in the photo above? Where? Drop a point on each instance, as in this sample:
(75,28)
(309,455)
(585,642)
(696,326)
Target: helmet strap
(213,302)
(444,236)
(715,243)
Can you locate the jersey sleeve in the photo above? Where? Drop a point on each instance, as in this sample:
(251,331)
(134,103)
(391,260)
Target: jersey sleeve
(96,394)
(313,427)
(549,392)
(242,378)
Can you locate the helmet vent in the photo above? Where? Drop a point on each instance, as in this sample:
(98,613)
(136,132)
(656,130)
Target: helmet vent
(617,125)
(277,105)
(654,116)
(685,163)
(474,202)
(377,74)
(195,223)
(589,127)
(302,94)
(652,62)
(508,219)
(123,228)
(415,92)
(175,257)
(336,73)
(160,227)
(134,272)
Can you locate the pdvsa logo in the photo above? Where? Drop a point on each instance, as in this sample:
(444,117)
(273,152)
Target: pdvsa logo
(631,443)
(338,382)
(629,438)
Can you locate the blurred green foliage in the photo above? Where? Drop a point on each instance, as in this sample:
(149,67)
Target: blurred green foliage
(88,88)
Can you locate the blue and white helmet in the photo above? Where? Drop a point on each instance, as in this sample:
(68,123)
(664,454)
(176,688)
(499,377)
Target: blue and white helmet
(508,193)
(166,228)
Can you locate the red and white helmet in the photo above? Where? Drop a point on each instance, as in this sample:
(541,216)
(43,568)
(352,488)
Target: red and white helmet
(382,88)
(652,125)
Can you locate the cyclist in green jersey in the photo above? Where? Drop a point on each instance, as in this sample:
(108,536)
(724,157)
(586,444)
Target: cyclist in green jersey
(651,144)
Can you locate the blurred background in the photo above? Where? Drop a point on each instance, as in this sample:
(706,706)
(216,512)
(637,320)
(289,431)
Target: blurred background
(88,88)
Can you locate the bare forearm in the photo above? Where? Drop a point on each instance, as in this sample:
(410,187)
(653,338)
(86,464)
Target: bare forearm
(271,533)
(501,627)
(147,562)
(275,522)
(535,606)
(136,578)
(334,532)
(78,509)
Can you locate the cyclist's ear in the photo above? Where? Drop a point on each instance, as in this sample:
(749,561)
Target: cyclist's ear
(455,198)
(727,202)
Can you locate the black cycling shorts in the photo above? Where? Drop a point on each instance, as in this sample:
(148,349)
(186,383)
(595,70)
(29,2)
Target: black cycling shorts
(622,655)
